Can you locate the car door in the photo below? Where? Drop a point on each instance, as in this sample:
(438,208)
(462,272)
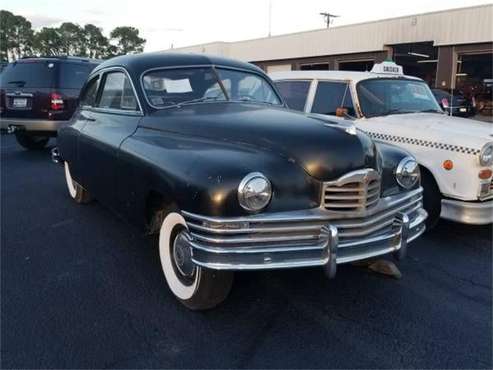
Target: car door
(114,118)
(71,133)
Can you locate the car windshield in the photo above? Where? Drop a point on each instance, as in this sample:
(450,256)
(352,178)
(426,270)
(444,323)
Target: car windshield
(177,87)
(381,97)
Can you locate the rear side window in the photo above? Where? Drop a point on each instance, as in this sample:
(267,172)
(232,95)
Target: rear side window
(117,93)
(73,75)
(89,94)
(294,93)
(332,95)
(29,74)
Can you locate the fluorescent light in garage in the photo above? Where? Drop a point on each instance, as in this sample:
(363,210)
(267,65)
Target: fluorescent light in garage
(419,55)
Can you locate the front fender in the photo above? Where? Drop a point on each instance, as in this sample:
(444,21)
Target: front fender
(202,176)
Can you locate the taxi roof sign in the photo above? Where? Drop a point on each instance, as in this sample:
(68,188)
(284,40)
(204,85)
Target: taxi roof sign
(388,68)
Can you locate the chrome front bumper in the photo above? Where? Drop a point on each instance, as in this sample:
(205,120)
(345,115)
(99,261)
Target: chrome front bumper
(474,213)
(314,237)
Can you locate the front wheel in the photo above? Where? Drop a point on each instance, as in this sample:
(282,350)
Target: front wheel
(432,200)
(77,192)
(31,142)
(196,287)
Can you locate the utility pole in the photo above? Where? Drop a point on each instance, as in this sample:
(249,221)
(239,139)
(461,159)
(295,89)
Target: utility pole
(328,18)
(270,18)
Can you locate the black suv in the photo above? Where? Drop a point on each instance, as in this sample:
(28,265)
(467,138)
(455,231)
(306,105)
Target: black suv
(455,104)
(37,95)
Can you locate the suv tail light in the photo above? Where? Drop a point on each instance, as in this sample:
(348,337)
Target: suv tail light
(56,101)
(445,103)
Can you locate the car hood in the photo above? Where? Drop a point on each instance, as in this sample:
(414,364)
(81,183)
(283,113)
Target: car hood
(440,127)
(325,151)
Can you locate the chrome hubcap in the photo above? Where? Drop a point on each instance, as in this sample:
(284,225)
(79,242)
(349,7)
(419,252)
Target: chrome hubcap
(182,255)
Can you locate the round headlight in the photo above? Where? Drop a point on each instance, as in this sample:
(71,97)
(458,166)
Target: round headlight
(407,173)
(254,192)
(486,155)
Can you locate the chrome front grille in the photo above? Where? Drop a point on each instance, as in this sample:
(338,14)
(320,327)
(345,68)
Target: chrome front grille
(357,191)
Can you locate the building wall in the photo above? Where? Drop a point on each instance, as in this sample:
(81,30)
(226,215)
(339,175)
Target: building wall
(332,60)
(450,27)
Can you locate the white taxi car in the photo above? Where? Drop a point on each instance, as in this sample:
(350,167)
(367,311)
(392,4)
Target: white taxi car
(455,154)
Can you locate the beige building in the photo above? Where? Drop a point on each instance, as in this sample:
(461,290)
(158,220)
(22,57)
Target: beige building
(449,48)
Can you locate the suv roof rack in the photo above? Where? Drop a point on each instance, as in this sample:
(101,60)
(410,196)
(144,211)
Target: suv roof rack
(65,57)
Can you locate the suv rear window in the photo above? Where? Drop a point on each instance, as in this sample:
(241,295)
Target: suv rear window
(29,74)
(74,75)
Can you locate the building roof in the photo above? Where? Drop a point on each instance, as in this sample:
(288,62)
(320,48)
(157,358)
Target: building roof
(447,27)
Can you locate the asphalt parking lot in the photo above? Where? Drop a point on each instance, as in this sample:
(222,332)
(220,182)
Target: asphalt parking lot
(81,289)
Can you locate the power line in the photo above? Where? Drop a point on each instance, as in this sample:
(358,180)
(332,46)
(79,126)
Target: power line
(328,18)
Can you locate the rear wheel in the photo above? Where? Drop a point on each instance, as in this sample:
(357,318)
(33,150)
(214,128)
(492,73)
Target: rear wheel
(31,142)
(77,192)
(432,199)
(196,287)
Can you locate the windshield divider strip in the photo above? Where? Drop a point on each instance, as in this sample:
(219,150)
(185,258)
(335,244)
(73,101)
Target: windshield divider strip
(221,83)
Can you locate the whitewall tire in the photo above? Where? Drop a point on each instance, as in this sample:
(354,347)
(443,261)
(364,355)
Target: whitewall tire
(77,192)
(195,287)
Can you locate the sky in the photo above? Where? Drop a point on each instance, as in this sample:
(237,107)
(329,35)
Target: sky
(188,22)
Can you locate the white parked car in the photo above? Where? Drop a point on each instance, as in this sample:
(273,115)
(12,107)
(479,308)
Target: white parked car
(455,154)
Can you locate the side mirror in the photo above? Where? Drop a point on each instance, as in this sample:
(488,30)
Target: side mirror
(342,112)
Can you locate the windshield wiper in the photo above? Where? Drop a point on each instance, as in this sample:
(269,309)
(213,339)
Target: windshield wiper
(249,99)
(198,100)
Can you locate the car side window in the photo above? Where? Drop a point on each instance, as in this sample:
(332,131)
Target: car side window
(89,94)
(332,95)
(117,93)
(294,93)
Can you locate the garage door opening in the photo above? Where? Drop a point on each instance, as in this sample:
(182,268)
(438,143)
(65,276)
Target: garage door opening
(360,65)
(315,67)
(418,59)
(475,80)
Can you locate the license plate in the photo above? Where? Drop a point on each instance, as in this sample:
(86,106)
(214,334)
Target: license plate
(19,103)
(463,110)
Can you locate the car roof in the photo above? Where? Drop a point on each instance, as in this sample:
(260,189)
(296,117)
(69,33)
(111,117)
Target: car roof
(139,63)
(335,75)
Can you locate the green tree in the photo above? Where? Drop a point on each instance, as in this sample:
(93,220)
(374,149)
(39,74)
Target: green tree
(16,36)
(127,40)
(17,39)
(97,45)
(73,39)
(49,42)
